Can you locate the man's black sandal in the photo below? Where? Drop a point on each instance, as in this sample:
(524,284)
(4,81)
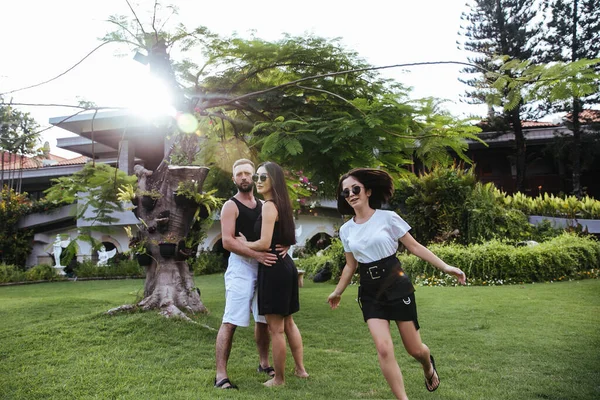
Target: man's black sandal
(429,381)
(223,382)
(268,370)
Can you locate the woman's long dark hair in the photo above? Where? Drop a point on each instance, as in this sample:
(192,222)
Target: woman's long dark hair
(380,183)
(281,198)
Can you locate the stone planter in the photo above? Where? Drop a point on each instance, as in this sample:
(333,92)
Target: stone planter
(167,250)
(144,259)
(148,202)
(182,201)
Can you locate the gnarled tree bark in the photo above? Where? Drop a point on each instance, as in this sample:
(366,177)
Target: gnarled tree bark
(169,283)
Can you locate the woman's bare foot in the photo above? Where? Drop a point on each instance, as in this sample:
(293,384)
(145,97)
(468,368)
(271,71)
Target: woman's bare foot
(273,382)
(301,373)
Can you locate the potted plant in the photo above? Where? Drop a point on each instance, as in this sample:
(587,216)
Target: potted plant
(168,246)
(206,203)
(185,194)
(149,198)
(138,247)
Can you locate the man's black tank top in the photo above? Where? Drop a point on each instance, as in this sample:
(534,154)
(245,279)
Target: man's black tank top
(246,219)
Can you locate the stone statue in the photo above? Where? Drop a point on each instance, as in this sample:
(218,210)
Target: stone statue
(292,248)
(57,247)
(104,256)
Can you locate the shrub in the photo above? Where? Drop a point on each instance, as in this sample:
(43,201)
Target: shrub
(10,273)
(433,204)
(208,262)
(42,272)
(88,269)
(311,264)
(15,243)
(334,255)
(497,262)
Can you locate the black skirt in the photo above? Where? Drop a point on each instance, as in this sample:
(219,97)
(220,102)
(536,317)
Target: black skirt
(386,292)
(278,288)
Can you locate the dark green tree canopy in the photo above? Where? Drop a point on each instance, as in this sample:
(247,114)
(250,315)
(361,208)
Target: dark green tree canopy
(306,102)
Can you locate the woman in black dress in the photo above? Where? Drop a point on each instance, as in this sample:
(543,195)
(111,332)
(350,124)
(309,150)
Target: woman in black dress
(278,283)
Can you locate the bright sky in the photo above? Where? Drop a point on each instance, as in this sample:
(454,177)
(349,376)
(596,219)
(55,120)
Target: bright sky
(42,39)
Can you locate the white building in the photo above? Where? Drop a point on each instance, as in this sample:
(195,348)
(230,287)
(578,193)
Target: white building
(139,141)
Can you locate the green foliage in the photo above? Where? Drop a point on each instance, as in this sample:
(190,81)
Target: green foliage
(334,255)
(11,273)
(129,268)
(98,184)
(42,272)
(311,264)
(19,139)
(433,203)
(15,244)
(524,81)
(549,205)
(498,262)
(208,262)
(447,204)
(487,218)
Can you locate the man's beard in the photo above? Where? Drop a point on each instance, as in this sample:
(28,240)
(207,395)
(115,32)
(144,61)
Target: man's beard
(245,189)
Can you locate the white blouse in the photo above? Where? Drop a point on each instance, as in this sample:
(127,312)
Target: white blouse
(374,239)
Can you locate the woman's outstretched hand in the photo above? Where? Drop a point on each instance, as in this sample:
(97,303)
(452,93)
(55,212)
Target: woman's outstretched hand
(457,272)
(334,300)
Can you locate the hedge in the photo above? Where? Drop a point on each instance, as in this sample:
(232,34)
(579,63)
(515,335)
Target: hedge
(564,257)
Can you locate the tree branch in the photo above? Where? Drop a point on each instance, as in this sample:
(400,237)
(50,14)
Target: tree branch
(309,78)
(136,18)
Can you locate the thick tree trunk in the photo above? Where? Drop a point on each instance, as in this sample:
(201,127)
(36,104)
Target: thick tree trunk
(521,148)
(576,151)
(169,282)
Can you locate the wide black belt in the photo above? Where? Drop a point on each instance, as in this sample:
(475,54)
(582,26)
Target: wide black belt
(378,269)
(385,279)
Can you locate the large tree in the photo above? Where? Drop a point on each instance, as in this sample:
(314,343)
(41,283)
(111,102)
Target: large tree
(572,32)
(18,139)
(306,102)
(496,28)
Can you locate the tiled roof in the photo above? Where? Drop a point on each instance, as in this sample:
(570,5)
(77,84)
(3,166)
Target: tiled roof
(586,116)
(538,124)
(13,161)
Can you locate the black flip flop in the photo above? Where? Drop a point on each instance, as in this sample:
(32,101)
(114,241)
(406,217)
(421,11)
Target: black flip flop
(223,382)
(268,370)
(428,383)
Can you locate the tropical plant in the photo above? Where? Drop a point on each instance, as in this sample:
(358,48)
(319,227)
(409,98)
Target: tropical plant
(15,243)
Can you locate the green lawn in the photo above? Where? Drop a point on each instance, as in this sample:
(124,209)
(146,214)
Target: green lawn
(538,341)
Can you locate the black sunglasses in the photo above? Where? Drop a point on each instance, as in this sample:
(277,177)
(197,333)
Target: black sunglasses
(262,177)
(346,192)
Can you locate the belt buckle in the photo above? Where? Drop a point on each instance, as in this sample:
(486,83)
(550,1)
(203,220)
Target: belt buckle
(374,267)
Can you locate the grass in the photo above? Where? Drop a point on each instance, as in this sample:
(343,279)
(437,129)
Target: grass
(539,341)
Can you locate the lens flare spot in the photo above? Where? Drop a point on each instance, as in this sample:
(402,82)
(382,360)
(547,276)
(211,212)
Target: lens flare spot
(187,123)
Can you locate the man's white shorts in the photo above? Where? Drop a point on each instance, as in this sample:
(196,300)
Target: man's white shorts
(241,295)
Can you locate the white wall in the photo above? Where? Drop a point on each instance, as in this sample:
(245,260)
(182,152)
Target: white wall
(42,250)
(310,225)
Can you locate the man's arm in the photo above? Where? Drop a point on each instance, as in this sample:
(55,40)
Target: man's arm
(229,214)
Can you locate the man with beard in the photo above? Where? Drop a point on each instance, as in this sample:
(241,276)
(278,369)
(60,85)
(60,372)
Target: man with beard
(239,215)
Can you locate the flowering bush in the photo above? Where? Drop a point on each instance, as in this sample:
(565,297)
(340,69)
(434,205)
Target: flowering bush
(302,191)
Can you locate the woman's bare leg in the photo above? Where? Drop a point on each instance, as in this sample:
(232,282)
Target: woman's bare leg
(276,329)
(295,341)
(380,331)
